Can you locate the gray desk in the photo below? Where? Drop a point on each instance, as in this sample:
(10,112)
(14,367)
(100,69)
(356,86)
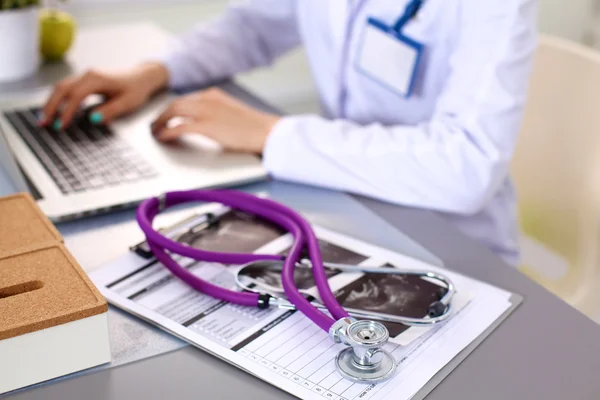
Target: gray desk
(544,350)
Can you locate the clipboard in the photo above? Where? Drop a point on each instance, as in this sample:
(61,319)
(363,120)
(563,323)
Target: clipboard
(207,220)
(514,300)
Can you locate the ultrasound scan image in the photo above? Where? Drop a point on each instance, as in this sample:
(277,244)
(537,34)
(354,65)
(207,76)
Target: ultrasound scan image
(336,254)
(303,276)
(240,232)
(405,295)
(236,232)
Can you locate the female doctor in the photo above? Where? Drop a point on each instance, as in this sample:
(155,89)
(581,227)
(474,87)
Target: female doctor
(422,100)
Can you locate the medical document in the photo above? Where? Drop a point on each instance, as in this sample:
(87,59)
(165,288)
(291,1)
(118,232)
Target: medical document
(283,347)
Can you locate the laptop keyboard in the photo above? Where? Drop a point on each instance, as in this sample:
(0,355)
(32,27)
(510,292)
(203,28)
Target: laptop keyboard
(84,156)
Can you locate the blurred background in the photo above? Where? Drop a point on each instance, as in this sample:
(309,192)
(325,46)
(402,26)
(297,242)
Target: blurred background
(577,20)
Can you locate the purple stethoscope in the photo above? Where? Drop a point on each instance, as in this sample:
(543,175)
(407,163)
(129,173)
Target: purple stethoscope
(364,360)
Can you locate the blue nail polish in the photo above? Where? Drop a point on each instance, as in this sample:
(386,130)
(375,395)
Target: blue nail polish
(41,116)
(57,125)
(96,117)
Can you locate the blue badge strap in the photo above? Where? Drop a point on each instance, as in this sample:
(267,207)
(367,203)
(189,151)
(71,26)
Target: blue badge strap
(409,13)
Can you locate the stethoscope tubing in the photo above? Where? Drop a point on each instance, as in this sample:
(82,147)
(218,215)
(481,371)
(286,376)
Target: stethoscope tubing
(271,211)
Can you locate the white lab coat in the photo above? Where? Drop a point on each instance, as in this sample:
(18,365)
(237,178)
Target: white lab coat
(446,149)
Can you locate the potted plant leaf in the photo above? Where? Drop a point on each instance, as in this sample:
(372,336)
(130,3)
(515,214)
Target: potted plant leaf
(19,38)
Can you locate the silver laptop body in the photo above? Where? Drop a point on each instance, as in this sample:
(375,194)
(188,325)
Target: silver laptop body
(87,170)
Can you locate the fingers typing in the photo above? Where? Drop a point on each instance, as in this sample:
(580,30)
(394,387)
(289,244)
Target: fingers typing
(186,107)
(74,99)
(113,109)
(53,104)
(69,95)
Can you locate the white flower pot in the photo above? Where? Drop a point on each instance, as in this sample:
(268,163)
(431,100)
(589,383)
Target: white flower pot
(19,43)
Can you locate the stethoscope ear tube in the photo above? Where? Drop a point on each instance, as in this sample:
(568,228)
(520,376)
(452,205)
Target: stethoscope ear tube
(439,311)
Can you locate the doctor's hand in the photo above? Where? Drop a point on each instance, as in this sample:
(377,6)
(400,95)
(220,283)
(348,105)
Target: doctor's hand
(124,92)
(217,115)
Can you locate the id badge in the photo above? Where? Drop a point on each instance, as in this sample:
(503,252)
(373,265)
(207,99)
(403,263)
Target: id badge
(389,58)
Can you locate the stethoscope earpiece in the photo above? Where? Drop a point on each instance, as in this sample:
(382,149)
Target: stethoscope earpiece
(436,309)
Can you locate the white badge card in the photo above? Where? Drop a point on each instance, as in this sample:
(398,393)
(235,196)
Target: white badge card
(389,58)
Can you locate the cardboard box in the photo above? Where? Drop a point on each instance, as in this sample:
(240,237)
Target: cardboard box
(53,320)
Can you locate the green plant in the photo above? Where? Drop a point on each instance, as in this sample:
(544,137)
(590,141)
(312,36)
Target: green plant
(13,4)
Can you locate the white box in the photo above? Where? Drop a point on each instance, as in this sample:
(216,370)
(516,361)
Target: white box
(52,352)
(53,320)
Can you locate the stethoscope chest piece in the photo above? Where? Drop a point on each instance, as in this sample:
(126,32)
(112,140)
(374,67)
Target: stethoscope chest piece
(365,361)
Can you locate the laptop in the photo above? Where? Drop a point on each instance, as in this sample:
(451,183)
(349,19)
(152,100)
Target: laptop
(89,169)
